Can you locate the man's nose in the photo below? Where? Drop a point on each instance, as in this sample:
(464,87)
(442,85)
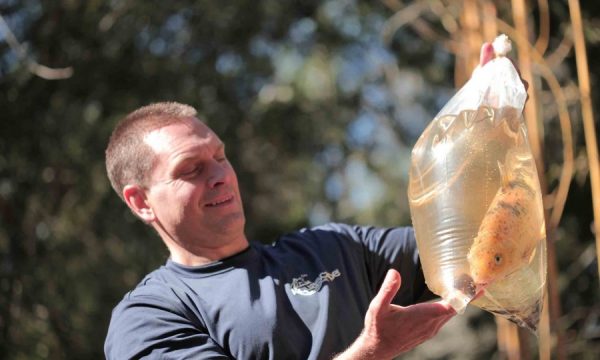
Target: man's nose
(218,174)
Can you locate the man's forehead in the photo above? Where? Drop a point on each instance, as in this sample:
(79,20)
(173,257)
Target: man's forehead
(167,137)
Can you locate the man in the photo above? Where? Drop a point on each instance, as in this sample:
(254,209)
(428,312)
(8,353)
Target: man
(219,296)
(334,290)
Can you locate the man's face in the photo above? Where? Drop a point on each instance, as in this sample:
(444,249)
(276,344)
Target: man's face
(193,190)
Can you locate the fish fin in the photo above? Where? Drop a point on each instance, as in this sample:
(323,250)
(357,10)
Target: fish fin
(503,174)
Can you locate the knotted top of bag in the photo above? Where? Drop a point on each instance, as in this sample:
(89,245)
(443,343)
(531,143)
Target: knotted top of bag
(496,84)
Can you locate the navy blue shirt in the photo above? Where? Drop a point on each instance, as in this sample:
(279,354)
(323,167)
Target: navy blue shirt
(304,297)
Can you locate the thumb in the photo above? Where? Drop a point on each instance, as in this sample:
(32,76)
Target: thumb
(389,288)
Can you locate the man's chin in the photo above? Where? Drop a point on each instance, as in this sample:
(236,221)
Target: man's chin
(231,223)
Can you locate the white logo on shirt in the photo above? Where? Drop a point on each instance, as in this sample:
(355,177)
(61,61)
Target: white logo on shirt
(301,286)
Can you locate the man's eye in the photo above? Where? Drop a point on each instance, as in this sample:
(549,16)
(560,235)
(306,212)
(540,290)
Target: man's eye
(191,171)
(221,158)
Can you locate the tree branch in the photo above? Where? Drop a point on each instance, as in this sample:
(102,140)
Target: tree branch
(34,67)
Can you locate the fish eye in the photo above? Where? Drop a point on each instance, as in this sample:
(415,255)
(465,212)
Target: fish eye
(498,259)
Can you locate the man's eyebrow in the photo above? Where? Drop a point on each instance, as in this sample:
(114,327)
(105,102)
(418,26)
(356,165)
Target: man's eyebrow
(192,156)
(181,162)
(183,159)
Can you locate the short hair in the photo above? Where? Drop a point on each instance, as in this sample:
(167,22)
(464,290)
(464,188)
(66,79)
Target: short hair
(129,160)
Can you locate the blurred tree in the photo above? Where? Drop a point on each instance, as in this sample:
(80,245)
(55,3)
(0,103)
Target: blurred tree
(318,114)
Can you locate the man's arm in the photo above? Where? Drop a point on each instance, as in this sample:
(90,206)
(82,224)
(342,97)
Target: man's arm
(391,329)
(150,327)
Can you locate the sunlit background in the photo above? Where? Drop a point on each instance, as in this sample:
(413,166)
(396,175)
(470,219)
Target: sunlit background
(319,103)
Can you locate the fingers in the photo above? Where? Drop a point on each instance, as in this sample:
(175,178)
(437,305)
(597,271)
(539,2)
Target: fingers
(389,288)
(440,313)
(436,309)
(429,318)
(391,329)
(440,323)
(486,54)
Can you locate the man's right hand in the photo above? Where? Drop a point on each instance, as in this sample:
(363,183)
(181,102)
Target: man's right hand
(391,329)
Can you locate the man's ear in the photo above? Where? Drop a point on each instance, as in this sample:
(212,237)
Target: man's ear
(135,197)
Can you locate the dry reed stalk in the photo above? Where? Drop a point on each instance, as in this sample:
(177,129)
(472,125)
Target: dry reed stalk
(525,66)
(587,115)
(407,15)
(421,26)
(562,50)
(489,15)
(472,25)
(541,43)
(464,56)
(519,13)
(545,334)
(410,15)
(509,345)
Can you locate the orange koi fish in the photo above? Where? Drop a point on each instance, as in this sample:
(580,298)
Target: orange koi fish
(509,232)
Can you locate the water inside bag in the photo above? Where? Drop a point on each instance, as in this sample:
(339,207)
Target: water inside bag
(477,211)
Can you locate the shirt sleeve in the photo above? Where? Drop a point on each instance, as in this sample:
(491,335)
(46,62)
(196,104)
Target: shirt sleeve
(385,248)
(145,327)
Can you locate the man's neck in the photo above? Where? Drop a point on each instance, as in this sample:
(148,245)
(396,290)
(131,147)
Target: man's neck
(196,256)
(196,251)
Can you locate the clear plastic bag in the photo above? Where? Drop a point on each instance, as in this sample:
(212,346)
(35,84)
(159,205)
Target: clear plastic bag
(476,203)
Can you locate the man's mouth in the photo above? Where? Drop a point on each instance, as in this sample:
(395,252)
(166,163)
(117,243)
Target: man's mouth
(220,201)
